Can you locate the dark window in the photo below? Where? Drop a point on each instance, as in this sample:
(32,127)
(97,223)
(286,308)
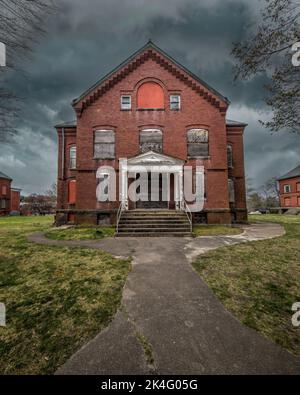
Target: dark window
(104,144)
(3,203)
(231,193)
(287,188)
(151,140)
(197,143)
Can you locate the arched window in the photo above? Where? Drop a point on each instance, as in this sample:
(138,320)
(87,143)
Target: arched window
(72,192)
(229,156)
(150,95)
(73,158)
(151,140)
(197,143)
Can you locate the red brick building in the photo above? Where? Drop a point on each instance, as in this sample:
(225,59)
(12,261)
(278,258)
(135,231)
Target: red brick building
(9,197)
(150,109)
(289,189)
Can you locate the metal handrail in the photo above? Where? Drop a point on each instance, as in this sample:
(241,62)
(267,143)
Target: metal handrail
(188,213)
(119,214)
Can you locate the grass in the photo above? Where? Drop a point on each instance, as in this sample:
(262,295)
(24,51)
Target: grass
(259,281)
(215,230)
(57,298)
(80,233)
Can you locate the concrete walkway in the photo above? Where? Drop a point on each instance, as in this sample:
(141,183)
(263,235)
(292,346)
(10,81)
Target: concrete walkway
(168,309)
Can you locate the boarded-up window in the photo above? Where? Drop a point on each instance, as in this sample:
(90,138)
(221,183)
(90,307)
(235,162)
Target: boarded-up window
(104,144)
(4,190)
(72,192)
(73,158)
(231,193)
(287,201)
(151,140)
(3,203)
(150,96)
(197,142)
(229,156)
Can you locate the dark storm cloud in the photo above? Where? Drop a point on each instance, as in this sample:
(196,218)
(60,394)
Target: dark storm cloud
(86,39)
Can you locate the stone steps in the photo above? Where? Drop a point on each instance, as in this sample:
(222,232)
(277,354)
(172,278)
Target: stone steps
(154,223)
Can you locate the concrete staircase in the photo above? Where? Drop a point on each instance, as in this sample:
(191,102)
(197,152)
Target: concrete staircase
(153,223)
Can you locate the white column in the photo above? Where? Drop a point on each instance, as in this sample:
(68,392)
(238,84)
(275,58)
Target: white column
(180,186)
(124,183)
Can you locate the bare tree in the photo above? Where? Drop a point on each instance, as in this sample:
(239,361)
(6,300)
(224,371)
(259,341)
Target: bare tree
(21,24)
(270,50)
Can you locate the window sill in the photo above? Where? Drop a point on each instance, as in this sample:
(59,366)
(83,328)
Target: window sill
(150,109)
(126,109)
(199,157)
(104,158)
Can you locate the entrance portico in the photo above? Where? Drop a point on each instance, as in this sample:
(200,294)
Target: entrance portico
(163,181)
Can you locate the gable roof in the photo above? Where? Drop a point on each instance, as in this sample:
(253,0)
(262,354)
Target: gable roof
(2,175)
(150,50)
(291,174)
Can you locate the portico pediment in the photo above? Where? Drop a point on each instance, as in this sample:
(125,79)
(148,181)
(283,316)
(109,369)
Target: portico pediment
(154,158)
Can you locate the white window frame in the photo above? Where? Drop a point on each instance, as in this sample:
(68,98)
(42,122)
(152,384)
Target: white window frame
(73,158)
(287,188)
(172,103)
(125,106)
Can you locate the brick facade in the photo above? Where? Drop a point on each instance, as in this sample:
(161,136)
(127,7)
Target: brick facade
(9,197)
(289,189)
(201,108)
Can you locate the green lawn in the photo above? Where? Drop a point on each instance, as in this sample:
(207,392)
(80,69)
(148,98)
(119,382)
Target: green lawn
(215,230)
(57,298)
(80,233)
(259,281)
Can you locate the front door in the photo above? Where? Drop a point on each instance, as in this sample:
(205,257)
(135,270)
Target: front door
(160,204)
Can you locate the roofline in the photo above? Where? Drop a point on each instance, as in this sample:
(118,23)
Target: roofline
(283,178)
(235,123)
(5,177)
(149,44)
(66,125)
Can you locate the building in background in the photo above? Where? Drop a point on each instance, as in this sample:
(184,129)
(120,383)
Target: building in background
(9,196)
(154,112)
(289,189)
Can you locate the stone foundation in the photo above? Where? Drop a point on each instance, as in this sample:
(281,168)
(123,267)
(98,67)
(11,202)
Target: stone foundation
(109,217)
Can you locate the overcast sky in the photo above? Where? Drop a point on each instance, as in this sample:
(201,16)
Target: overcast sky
(86,39)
